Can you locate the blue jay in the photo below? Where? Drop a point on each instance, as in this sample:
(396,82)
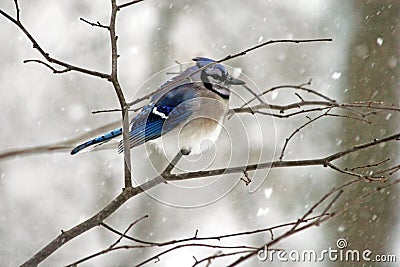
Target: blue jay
(188,113)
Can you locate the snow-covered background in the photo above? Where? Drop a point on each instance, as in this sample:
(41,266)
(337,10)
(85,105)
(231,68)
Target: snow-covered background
(42,194)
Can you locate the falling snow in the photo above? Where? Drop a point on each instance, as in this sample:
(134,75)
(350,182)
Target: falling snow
(336,75)
(379,41)
(268,192)
(188,37)
(262,212)
(274,95)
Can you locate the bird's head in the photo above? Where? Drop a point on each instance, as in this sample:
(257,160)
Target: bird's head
(215,73)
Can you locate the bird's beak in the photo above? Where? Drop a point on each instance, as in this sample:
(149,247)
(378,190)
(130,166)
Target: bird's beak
(233,81)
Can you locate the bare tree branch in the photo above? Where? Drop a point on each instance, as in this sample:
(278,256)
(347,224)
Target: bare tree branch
(172,84)
(322,105)
(62,146)
(296,41)
(301,224)
(320,220)
(128,193)
(46,55)
(356,108)
(206,238)
(112,246)
(120,94)
(298,130)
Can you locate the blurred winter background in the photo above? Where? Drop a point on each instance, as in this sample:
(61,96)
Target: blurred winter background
(42,194)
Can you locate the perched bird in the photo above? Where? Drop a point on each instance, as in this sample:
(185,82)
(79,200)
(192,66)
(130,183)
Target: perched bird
(189,112)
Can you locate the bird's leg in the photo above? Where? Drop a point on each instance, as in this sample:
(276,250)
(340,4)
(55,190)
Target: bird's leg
(174,161)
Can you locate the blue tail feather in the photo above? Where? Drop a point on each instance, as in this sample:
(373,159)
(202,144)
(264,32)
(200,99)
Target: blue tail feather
(100,139)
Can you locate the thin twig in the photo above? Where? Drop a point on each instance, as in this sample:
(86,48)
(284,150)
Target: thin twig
(46,55)
(319,203)
(111,247)
(47,65)
(391,170)
(59,146)
(298,130)
(368,165)
(128,4)
(369,178)
(128,193)
(322,105)
(97,24)
(256,96)
(17,11)
(296,41)
(220,255)
(114,110)
(296,229)
(172,84)
(157,256)
(207,238)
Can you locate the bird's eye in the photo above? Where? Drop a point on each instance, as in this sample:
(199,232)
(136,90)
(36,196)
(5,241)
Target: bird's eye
(216,76)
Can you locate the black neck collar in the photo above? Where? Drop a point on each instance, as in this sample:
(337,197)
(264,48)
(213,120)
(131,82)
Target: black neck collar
(213,88)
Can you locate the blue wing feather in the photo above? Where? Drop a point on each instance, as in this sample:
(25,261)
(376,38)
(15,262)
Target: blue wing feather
(140,134)
(147,125)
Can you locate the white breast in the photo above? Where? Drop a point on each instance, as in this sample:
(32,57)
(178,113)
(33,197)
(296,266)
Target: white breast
(192,136)
(204,124)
